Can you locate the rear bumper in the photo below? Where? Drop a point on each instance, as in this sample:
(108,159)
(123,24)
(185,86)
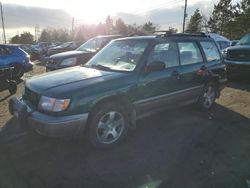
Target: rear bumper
(47,125)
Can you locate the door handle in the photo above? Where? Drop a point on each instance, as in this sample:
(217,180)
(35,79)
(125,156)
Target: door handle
(176,75)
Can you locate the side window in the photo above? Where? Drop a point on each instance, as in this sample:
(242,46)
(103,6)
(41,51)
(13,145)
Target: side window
(189,53)
(211,51)
(164,52)
(5,51)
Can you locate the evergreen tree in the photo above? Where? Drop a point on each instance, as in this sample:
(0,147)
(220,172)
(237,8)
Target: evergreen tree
(109,25)
(15,39)
(195,23)
(148,27)
(222,15)
(120,27)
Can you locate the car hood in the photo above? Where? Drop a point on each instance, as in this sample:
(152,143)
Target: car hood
(239,47)
(57,47)
(66,80)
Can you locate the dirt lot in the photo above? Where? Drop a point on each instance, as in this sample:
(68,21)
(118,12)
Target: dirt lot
(175,148)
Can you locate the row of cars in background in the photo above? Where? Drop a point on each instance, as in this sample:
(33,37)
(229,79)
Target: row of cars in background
(45,49)
(61,55)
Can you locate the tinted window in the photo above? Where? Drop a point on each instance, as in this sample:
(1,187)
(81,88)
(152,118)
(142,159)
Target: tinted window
(165,52)
(223,44)
(210,51)
(245,40)
(93,45)
(5,51)
(189,53)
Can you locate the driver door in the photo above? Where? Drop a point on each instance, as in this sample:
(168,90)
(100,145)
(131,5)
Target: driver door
(157,89)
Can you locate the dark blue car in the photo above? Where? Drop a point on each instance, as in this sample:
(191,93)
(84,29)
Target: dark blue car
(13,56)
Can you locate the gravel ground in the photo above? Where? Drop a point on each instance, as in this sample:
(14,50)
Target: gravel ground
(172,149)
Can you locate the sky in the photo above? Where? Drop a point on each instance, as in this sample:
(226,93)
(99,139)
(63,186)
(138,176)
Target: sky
(94,11)
(163,13)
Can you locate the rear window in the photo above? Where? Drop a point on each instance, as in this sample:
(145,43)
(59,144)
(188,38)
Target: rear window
(211,51)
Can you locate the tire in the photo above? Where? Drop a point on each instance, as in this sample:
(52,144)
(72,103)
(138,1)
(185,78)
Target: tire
(12,87)
(108,126)
(18,71)
(207,97)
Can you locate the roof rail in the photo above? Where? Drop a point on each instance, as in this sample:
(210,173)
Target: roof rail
(163,33)
(169,34)
(198,34)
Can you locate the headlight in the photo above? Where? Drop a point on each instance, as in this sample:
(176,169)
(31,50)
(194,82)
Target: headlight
(53,104)
(224,53)
(70,61)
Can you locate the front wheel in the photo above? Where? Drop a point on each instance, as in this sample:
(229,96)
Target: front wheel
(108,126)
(207,97)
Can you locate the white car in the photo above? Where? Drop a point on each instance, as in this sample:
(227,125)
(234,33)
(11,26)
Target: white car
(222,41)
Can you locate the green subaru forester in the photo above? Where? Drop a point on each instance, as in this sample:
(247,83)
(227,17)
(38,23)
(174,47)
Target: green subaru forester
(129,79)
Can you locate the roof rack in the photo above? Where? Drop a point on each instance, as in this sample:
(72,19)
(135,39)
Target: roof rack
(163,33)
(169,34)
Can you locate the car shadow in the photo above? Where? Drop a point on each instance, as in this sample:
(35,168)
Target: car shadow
(175,148)
(4,98)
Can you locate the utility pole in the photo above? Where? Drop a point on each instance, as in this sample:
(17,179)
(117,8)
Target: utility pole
(4,37)
(72,27)
(184,17)
(37,32)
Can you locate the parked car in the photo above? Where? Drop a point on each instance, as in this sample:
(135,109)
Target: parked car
(237,58)
(13,56)
(222,41)
(81,55)
(67,46)
(128,79)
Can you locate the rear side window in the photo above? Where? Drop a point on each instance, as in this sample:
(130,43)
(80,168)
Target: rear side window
(166,53)
(189,53)
(5,51)
(211,51)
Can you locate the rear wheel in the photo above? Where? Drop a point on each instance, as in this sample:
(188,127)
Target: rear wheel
(108,126)
(207,97)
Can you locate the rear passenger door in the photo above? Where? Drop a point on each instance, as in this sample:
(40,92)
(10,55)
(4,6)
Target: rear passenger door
(192,62)
(213,58)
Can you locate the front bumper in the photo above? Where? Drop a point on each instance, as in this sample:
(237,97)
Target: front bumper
(28,66)
(47,125)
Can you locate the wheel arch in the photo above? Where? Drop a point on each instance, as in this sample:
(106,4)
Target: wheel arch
(120,99)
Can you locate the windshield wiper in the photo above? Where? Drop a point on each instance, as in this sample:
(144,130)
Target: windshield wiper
(100,67)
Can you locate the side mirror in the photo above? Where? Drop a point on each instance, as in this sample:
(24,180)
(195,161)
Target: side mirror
(155,66)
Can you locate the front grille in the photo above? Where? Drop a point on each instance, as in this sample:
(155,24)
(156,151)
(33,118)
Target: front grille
(240,55)
(31,96)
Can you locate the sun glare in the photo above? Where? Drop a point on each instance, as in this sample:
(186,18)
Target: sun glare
(93,12)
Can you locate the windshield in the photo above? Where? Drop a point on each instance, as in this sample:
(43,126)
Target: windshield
(245,40)
(64,45)
(119,55)
(92,45)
